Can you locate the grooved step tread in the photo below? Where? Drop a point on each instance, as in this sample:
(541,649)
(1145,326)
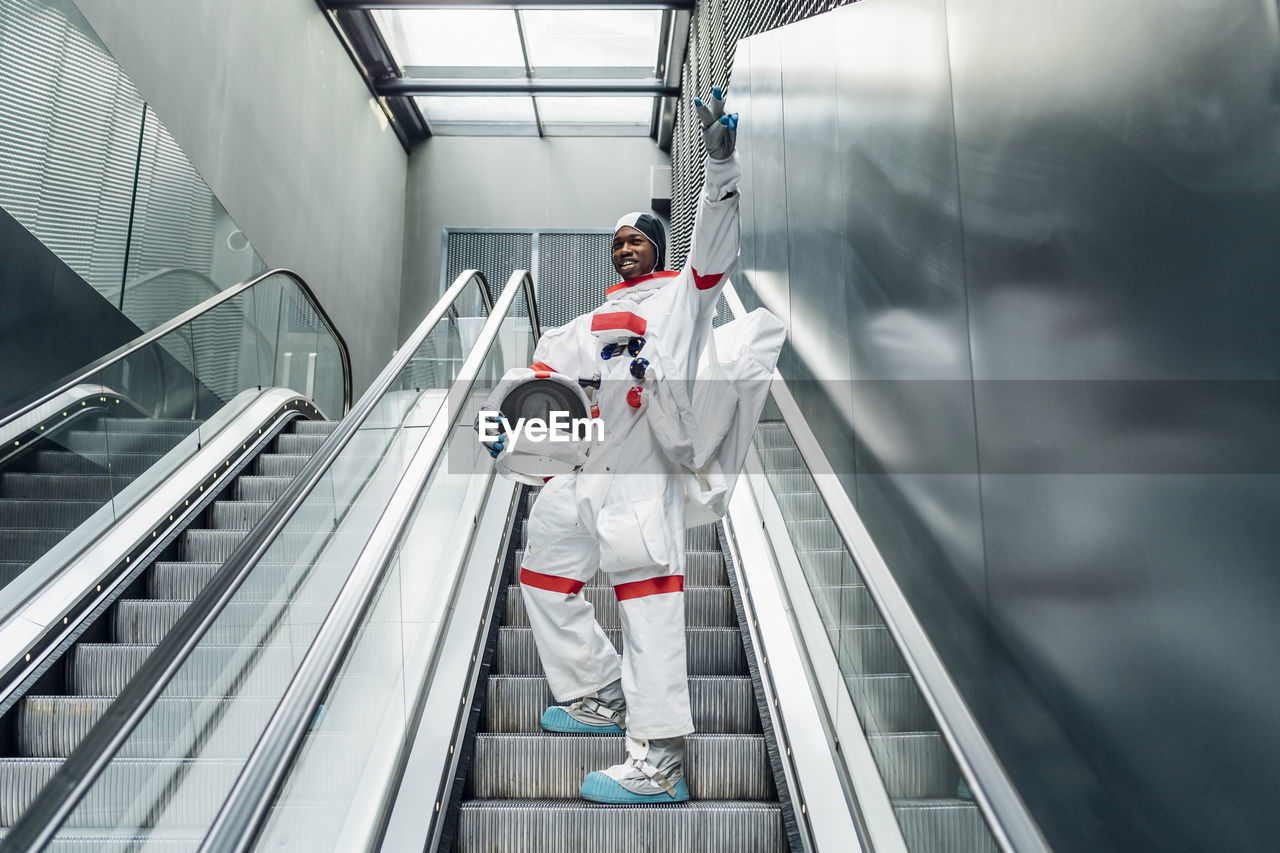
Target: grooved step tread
(709,651)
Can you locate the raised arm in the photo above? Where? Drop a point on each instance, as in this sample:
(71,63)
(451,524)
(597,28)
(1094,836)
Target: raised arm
(714,248)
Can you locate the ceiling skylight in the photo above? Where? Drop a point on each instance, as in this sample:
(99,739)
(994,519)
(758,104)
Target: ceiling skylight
(452,37)
(621,38)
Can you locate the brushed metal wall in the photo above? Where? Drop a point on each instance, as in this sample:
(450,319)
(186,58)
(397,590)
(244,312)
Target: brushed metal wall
(1024,253)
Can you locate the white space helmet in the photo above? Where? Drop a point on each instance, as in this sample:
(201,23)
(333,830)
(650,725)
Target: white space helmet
(552,399)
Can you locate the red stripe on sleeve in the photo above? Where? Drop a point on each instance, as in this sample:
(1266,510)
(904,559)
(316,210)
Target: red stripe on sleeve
(550,582)
(619,320)
(542,365)
(706,282)
(653,586)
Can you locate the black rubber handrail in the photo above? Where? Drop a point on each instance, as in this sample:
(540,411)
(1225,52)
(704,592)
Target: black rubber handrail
(143,341)
(60,796)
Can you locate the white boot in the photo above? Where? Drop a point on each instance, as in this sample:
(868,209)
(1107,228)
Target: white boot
(652,773)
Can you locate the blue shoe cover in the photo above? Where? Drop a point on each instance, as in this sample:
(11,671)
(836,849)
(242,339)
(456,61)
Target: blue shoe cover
(557,719)
(600,788)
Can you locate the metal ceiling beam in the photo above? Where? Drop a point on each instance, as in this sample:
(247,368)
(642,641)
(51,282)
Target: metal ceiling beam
(507,4)
(410,86)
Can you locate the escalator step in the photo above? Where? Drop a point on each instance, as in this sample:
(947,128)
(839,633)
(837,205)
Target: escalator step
(102,669)
(705,607)
(278,465)
(251,487)
(701,568)
(710,651)
(119,464)
(829,567)
(23,486)
(572,826)
(889,703)
(915,765)
(102,841)
(845,606)
(814,534)
(237,515)
(720,704)
(52,514)
(28,543)
(720,767)
(179,581)
(181,426)
(156,444)
(303,444)
(780,458)
(868,650)
(146,621)
(302,427)
(802,505)
(944,825)
(191,790)
(10,569)
(789,482)
(210,546)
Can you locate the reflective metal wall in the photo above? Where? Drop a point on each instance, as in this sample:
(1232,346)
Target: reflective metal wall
(1024,252)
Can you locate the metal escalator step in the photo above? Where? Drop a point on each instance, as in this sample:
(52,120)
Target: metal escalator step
(18,485)
(829,567)
(314,427)
(889,703)
(572,826)
(915,765)
(251,487)
(237,515)
(814,534)
(802,505)
(181,426)
(190,790)
(845,606)
(719,767)
(868,650)
(106,841)
(28,543)
(945,826)
(281,465)
(704,607)
(709,651)
(103,669)
(720,704)
(119,464)
(179,581)
(791,481)
(780,458)
(10,569)
(306,445)
(145,621)
(210,546)
(701,538)
(701,568)
(154,443)
(49,514)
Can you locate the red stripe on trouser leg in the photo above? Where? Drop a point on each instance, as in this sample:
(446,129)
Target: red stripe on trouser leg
(550,582)
(623,320)
(706,282)
(652,586)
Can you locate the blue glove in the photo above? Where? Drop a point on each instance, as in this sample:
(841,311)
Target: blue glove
(719,131)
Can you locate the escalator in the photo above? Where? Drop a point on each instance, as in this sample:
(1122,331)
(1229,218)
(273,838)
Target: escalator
(357,671)
(522,789)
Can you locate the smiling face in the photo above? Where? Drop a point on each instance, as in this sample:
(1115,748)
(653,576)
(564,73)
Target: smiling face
(633,253)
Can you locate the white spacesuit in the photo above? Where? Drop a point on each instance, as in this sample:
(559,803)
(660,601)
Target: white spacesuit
(624,510)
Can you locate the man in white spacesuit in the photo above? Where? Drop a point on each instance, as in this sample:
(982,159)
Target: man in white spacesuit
(624,510)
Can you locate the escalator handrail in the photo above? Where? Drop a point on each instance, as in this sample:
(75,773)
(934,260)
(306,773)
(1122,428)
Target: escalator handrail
(64,790)
(246,807)
(141,342)
(1010,821)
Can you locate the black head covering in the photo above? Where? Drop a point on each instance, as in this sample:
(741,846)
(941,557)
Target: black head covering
(651,227)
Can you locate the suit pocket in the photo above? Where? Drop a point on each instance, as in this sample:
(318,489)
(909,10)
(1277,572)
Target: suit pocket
(632,535)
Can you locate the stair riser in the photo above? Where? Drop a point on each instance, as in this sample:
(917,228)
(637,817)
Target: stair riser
(889,703)
(484,827)
(719,705)
(705,607)
(140,621)
(51,487)
(236,515)
(944,827)
(710,651)
(868,651)
(256,488)
(845,606)
(915,766)
(134,442)
(45,514)
(117,464)
(303,445)
(537,766)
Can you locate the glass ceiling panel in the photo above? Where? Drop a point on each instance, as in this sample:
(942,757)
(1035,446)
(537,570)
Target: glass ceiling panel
(452,37)
(575,110)
(477,110)
(592,38)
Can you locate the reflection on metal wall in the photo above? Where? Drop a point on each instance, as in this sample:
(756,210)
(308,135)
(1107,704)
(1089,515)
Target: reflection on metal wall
(1026,264)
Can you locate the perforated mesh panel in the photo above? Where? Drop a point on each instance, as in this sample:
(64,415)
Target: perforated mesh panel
(496,254)
(713,35)
(573,272)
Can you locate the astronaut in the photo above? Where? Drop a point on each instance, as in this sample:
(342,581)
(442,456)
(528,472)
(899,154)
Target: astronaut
(623,510)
